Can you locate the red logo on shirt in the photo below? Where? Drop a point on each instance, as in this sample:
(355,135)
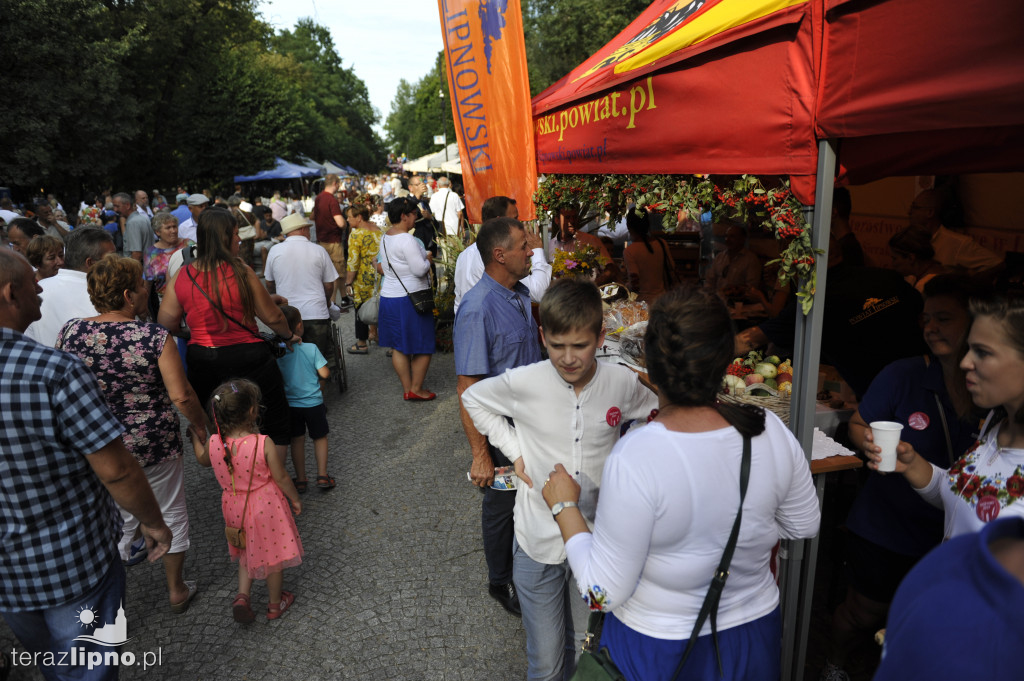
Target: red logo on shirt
(988,508)
(918,420)
(613,417)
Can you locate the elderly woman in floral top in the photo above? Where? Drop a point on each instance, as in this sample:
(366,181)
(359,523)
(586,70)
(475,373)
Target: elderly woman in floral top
(165,229)
(142,378)
(363,246)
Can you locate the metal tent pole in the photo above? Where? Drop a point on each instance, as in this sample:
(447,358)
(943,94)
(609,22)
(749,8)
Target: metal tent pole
(800,556)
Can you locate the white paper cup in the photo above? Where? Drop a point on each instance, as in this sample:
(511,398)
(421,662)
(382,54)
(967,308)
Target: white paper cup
(887,435)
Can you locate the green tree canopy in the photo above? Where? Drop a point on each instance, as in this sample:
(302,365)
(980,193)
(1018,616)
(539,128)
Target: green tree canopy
(134,94)
(339,123)
(562,34)
(418,112)
(559,36)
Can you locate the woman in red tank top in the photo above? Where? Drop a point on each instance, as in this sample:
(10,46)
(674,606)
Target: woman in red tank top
(221,298)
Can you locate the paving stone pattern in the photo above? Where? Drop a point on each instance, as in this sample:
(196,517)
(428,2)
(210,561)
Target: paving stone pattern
(393,584)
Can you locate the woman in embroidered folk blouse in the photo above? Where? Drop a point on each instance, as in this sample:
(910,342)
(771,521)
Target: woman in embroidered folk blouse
(669,497)
(988,481)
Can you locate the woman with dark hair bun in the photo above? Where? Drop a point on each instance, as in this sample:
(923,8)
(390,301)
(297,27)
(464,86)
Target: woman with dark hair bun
(221,298)
(670,493)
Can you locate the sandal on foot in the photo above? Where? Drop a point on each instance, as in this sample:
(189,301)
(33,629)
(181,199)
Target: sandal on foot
(241,610)
(325,482)
(275,611)
(182,607)
(359,349)
(300,485)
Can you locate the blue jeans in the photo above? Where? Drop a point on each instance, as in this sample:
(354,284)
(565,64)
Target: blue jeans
(554,616)
(54,630)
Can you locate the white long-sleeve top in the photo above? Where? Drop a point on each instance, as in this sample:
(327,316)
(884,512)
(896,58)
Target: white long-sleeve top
(408,260)
(984,484)
(469,267)
(668,502)
(555,425)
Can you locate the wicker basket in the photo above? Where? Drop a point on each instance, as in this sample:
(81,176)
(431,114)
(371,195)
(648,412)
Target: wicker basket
(779,405)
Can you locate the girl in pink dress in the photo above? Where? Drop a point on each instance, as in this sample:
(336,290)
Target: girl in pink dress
(247,468)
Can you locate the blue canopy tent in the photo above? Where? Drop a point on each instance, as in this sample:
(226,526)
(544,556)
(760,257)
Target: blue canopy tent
(283,170)
(284,174)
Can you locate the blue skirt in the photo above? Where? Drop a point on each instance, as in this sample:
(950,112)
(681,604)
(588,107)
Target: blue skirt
(401,327)
(750,652)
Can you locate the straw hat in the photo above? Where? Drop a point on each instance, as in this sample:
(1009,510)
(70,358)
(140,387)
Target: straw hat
(293,222)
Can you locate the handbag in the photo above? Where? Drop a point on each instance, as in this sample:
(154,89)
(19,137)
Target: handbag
(236,535)
(597,665)
(272,340)
(367,313)
(248,231)
(422,300)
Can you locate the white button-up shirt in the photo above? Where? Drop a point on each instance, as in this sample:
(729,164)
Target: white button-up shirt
(65,297)
(555,425)
(299,270)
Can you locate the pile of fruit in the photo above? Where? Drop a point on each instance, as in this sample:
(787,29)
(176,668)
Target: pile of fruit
(759,376)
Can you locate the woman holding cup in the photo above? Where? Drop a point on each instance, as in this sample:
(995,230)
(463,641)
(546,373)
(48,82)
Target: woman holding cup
(890,527)
(987,481)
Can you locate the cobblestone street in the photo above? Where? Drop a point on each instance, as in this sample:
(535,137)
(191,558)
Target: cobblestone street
(393,584)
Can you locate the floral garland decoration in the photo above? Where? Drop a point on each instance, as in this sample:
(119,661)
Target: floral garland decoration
(745,198)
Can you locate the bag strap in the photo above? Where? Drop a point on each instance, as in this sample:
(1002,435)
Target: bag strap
(710,605)
(396,273)
(188,271)
(260,447)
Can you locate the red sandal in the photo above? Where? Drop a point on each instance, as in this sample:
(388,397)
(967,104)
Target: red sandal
(275,611)
(241,610)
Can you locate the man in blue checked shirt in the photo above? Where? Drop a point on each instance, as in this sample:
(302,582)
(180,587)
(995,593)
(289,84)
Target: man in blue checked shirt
(62,467)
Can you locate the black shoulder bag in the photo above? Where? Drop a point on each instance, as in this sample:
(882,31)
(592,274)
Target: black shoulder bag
(274,342)
(598,666)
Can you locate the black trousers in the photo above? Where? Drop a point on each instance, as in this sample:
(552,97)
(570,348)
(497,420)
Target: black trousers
(209,367)
(498,527)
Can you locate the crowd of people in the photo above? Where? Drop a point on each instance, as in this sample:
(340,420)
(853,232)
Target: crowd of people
(221,311)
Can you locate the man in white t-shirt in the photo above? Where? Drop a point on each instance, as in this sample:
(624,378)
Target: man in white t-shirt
(446,206)
(302,272)
(470,266)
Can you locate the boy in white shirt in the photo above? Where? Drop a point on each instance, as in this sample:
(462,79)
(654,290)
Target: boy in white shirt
(566,410)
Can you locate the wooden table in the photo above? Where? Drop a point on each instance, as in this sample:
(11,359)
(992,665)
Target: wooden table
(834,464)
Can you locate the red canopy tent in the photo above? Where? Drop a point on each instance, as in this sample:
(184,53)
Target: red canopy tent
(915,87)
(722,87)
(896,87)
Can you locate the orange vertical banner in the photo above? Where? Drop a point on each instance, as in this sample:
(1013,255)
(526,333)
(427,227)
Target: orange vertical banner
(485,55)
